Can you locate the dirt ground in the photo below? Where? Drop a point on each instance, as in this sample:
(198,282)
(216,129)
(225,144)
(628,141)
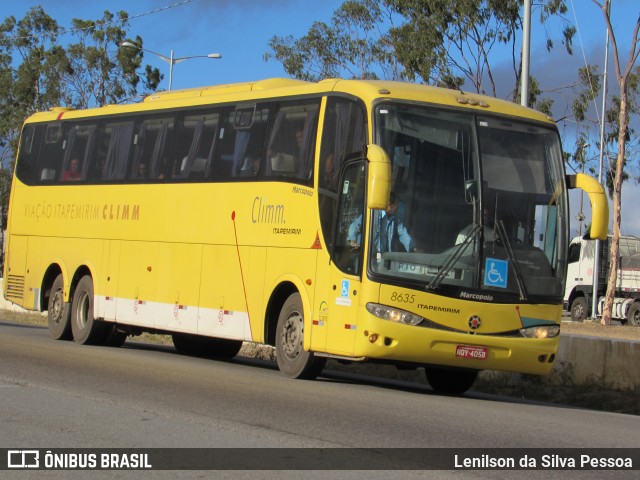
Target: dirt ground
(595,329)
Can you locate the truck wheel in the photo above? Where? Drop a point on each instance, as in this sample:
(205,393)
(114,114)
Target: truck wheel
(58,312)
(633,317)
(579,309)
(293,360)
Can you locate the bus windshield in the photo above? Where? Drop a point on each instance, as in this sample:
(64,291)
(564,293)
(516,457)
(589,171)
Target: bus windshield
(477,203)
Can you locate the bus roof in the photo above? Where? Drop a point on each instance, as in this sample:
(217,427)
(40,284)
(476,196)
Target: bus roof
(367,90)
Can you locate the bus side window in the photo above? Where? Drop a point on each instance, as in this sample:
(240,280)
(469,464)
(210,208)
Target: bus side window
(251,127)
(151,147)
(193,146)
(223,157)
(78,149)
(292,139)
(26,166)
(51,153)
(112,151)
(350,218)
(344,135)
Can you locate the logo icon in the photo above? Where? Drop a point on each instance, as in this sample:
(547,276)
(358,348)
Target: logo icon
(344,291)
(23,459)
(495,273)
(475,322)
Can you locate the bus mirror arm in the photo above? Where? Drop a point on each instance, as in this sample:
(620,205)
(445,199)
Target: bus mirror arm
(598,200)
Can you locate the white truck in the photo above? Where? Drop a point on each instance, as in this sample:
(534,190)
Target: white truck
(578,293)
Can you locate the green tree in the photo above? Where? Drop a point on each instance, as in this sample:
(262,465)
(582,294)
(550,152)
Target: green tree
(38,71)
(626,79)
(443,42)
(100,72)
(355,44)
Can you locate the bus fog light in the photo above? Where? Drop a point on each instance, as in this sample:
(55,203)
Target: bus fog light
(373,337)
(393,314)
(548,331)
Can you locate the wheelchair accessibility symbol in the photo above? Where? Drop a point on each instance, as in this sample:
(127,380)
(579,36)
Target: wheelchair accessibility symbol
(495,273)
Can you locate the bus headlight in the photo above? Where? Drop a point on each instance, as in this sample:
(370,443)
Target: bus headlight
(546,331)
(393,314)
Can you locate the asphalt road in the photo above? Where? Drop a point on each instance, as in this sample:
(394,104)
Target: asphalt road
(56,394)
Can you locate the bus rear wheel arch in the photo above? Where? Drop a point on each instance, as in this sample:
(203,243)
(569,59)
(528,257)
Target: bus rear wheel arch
(293,360)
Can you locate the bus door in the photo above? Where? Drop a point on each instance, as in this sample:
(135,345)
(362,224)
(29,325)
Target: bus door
(342,284)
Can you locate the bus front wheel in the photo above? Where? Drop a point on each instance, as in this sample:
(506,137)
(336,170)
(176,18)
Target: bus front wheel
(450,381)
(293,360)
(58,312)
(86,329)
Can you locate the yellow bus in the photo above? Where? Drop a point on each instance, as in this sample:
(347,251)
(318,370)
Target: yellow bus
(347,219)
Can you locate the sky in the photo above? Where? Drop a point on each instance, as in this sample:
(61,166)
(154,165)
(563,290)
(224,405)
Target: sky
(240,30)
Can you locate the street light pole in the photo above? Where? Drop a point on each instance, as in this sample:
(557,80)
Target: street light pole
(171,60)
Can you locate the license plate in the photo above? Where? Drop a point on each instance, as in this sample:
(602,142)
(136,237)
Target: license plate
(470,351)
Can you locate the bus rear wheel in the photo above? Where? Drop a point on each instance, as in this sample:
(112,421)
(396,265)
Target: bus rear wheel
(58,312)
(114,337)
(450,381)
(85,328)
(293,360)
(206,346)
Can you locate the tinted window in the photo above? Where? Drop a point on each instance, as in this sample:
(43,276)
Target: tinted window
(78,146)
(112,151)
(241,139)
(151,149)
(292,140)
(193,145)
(28,156)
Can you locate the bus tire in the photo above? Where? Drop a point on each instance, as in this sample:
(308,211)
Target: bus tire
(114,337)
(206,346)
(293,360)
(579,309)
(633,316)
(58,312)
(450,381)
(85,328)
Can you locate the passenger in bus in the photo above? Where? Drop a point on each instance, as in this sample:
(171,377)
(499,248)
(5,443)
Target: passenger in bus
(299,142)
(72,173)
(392,235)
(251,165)
(142,171)
(328,178)
(488,230)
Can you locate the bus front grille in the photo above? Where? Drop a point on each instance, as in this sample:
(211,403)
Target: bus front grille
(15,287)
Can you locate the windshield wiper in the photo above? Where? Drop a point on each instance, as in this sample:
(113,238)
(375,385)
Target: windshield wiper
(451,261)
(502,233)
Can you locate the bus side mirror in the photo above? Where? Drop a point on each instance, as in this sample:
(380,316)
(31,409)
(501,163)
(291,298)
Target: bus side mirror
(379,178)
(598,200)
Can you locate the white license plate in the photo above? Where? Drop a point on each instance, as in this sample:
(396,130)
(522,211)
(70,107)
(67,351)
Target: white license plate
(471,351)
